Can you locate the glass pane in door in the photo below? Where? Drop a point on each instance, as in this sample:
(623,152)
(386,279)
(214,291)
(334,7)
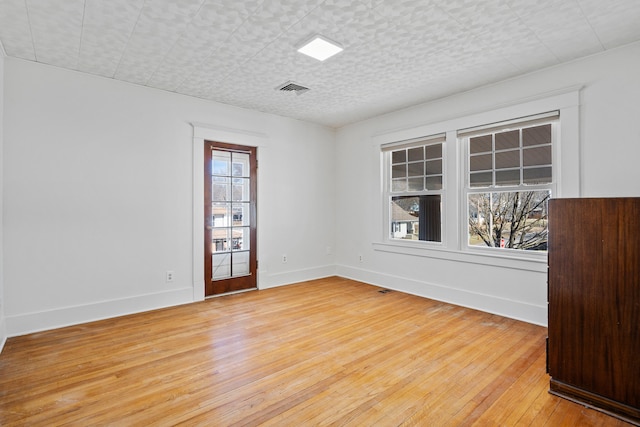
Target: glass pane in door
(240,263)
(240,190)
(221,266)
(231,207)
(240,214)
(240,166)
(240,238)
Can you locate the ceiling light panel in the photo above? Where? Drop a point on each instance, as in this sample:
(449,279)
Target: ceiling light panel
(320,48)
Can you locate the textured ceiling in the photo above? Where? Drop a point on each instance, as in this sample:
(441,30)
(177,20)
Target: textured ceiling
(397,53)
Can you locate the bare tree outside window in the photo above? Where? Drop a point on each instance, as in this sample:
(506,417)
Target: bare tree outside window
(509,219)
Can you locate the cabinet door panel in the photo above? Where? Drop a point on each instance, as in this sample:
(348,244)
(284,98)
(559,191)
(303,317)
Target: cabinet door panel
(594,296)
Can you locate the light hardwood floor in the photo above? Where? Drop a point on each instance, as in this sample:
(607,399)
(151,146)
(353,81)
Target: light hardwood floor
(324,352)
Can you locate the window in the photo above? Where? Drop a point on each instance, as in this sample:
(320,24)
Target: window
(414,189)
(500,167)
(509,179)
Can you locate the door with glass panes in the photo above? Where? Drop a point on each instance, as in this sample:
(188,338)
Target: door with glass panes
(230,218)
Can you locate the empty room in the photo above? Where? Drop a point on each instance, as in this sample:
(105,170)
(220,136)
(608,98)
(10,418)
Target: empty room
(319,212)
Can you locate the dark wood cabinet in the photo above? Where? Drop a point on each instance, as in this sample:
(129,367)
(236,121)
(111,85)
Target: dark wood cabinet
(594,303)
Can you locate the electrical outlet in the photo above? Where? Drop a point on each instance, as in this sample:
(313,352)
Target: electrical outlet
(360,258)
(170,276)
(284,258)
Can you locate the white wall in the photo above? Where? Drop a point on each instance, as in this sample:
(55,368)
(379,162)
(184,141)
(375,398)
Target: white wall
(608,166)
(98,196)
(3,331)
(98,180)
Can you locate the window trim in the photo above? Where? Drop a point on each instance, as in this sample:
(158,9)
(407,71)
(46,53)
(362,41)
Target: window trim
(567,173)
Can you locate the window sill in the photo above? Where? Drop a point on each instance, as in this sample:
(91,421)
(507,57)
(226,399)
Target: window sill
(532,263)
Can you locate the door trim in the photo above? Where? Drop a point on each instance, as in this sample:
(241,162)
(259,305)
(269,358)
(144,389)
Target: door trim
(201,133)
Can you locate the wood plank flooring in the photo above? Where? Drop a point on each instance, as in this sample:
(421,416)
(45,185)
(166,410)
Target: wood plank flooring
(324,352)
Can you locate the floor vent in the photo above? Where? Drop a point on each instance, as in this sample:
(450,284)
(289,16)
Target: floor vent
(292,87)
(385,291)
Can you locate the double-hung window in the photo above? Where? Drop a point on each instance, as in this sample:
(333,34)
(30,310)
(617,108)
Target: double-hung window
(509,178)
(414,189)
(478,188)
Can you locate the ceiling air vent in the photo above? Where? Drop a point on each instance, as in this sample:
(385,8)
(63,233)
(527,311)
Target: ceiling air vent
(292,87)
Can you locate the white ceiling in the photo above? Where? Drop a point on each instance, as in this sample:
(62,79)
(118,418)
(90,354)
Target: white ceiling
(397,53)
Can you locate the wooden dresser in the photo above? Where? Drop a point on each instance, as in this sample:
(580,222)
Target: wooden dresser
(593,349)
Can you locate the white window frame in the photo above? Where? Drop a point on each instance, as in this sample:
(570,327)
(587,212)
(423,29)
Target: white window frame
(567,175)
(552,118)
(387,149)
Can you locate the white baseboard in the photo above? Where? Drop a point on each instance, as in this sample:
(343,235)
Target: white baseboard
(3,332)
(66,316)
(35,322)
(517,310)
(271,281)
